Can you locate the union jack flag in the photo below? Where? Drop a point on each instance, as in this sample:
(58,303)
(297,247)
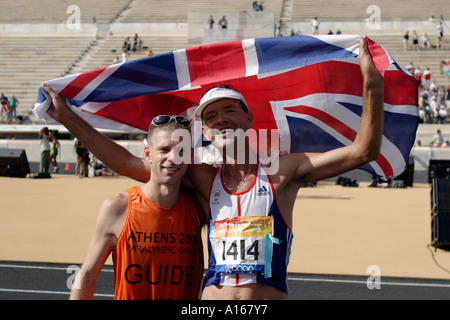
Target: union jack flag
(309,88)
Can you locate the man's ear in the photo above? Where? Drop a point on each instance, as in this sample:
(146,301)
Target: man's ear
(250,119)
(147,154)
(207,133)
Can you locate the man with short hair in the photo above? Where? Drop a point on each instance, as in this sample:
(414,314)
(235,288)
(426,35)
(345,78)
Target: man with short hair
(152,231)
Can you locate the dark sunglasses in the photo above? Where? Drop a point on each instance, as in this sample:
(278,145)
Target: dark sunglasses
(163,120)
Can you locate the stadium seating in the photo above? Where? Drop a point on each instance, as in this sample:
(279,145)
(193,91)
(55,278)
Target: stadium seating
(26,62)
(53,11)
(175,10)
(29,58)
(351,10)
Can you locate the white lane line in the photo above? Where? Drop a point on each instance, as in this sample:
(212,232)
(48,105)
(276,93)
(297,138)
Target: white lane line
(386,283)
(42,267)
(49,292)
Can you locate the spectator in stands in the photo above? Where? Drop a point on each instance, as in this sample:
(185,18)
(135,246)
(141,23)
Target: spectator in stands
(125,56)
(439,45)
(440,29)
(422,115)
(137,43)
(278,32)
(223,22)
(418,75)
(415,38)
(427,78)
(410,67)
(150,52)
(405,41)
(6,109)
(126,44)
(425,41)
(315,24)
(442,116)
(14,104)
(211,21)
(438,139)
(434,87)
(448,97)
(44,164)
(116,60)
(258,6)
(441,95)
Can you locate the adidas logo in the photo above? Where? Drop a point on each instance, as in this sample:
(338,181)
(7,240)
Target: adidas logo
(262,191)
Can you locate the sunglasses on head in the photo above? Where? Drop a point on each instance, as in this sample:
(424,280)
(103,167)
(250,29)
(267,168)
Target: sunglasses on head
(165,119)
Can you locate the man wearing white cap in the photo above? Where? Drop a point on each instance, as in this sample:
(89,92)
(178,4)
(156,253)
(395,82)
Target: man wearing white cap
(250,220)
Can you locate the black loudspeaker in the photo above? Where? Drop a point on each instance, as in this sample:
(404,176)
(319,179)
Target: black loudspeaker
(438,169)
(440,212)
(407,176)
(440,228)
(440,194)
(14,163)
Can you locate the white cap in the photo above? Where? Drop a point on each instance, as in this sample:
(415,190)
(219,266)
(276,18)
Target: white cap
(217,94)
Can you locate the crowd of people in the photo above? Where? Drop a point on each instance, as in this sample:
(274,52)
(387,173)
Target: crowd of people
(85,166)
(49,149)
(9,106)
(423,42)
(129,46)
(434,100)
(223,22)
(437,141)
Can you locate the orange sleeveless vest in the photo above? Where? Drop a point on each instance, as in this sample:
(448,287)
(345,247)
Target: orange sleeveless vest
(159,253)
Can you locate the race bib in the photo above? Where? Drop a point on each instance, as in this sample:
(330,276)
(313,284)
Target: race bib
(243,244)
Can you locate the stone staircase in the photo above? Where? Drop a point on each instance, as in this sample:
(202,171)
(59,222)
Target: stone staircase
(110,47)
(286,17)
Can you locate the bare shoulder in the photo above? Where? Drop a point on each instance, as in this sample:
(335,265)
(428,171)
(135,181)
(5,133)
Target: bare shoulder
(117,200)
(114,207)
(199,176)
(202,169)
(289,164)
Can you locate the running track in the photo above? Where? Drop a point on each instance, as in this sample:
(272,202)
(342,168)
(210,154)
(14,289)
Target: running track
(48,281)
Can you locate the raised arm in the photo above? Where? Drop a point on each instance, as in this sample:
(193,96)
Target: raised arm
(367,144)
(112,154)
